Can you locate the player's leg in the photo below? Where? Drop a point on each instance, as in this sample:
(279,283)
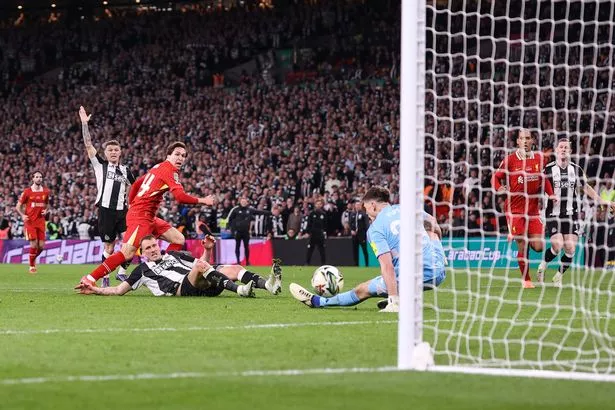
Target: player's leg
(246,246)
(237,246)
(438,264)
(570,244)
(237,272)
(119,231)
(310,250)
(136,230)
(556,242)
(518,228)
(321,250)
(352,297)
(31,236)
(164,230)
(210,282)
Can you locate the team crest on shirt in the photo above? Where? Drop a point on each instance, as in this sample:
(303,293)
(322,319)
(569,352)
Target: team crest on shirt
(176,177)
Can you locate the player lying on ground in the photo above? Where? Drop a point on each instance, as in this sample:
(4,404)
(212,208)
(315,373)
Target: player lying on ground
(568,179)
(33,205)
(520,177)
(179,274)
(383,236)
(145,198)
(238,272)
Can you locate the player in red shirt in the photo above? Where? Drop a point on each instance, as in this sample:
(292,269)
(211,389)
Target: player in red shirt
(521,176)
(145,197)
(33,206)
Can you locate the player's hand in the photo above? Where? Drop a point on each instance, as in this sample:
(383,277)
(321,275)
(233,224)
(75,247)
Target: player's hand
(85,288)
(503,189)
(45,212)
(554,198)
(25,218)
(208,242)
(210,200)
(201,265)
(83,116)
(392,306)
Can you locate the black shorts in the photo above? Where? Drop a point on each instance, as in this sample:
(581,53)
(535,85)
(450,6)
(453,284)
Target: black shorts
(565,226)
(111,223)
(188,290)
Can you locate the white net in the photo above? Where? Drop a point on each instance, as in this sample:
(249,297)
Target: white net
(494,67)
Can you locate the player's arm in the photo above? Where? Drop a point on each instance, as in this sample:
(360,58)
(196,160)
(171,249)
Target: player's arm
(498,176)
(21,206)
(183,198)
(87,288)
(591,192)
(382,251)
(87,138)
(208,247)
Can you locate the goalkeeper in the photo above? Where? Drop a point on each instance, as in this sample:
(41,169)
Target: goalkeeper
(383,235)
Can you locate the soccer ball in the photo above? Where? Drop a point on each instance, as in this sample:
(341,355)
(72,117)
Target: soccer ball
(327,281)
(59,258)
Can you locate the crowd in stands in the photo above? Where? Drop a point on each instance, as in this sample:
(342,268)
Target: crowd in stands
(146,79)
(282,146)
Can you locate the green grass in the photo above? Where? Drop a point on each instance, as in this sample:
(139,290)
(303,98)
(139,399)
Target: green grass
(193,352)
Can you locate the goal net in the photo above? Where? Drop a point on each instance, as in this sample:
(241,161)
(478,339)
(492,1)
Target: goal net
(493,67)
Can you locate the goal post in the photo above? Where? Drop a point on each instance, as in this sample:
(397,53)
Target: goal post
(472,73)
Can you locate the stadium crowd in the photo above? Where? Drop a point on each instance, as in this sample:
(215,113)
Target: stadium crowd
(252,140)
(147,81)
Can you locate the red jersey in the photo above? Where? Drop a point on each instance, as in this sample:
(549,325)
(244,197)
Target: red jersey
(35,202)
(147,192)
(525,180)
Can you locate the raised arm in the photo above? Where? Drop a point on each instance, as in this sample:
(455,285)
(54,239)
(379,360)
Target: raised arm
(87,139)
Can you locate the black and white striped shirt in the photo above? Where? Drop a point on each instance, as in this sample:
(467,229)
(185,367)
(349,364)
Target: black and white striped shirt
(566,182)
(112,182)
(163,277)
(261,224)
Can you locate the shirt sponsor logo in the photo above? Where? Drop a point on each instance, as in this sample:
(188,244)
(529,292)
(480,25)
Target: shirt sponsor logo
(116,177)
(564,184)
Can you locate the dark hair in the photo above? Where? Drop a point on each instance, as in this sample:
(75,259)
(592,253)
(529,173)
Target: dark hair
(176,144)
(378,194)
(147,238)
(111,142)
(36,172)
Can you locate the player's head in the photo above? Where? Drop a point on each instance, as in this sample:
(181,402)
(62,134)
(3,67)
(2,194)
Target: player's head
(524,140)
(150,248)
(563,149)
(37,178)
(176,154)
(375,199)
(113,150)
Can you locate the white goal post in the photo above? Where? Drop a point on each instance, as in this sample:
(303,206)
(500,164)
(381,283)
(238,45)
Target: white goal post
(472,73)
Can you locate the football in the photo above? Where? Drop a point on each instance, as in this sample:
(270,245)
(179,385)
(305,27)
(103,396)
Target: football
(327,281)
(59,258)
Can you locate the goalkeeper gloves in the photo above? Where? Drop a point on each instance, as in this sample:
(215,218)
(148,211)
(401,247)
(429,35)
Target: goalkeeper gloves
(392,305)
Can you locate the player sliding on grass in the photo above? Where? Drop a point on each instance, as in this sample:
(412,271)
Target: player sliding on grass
(524,183)
(383,236)
(145,198)
(180,274)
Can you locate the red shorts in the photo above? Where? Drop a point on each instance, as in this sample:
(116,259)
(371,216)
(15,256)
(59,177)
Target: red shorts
(35,231)
(137,228)
(521,225)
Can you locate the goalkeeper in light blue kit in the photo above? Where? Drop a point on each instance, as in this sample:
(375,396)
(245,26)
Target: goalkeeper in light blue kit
(383,236)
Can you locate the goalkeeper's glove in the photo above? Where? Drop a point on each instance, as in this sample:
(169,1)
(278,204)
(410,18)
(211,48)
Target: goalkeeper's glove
(392,306)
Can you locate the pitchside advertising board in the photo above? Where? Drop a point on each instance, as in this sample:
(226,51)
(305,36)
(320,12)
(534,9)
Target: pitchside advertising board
(492,252)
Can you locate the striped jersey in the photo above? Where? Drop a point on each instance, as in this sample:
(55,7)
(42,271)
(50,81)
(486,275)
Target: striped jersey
(112,182)
(566,182)
(164,276)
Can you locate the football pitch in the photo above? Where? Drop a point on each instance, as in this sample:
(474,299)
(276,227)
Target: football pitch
(60,350)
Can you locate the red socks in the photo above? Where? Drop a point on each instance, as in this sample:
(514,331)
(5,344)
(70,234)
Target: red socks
(174,247)
(34,252)
(108,265)
(523,266)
